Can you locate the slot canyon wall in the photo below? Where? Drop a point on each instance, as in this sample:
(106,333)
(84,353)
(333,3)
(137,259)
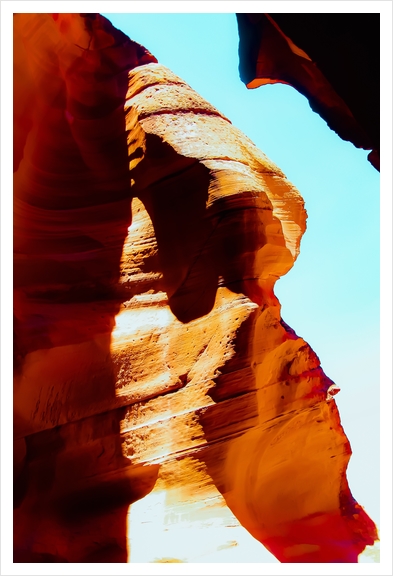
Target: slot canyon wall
(332,59)
(158,392)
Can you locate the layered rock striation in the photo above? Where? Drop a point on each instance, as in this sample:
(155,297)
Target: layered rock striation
(157,388)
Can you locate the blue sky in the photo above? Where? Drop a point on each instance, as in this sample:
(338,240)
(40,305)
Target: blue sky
(331,296)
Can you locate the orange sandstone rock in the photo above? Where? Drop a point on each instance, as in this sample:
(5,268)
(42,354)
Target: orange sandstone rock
(158,392)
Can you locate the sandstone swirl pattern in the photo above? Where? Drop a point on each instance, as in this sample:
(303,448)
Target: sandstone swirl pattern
(157,388)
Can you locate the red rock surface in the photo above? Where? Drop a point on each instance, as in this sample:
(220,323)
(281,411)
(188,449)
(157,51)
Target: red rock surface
(157,388)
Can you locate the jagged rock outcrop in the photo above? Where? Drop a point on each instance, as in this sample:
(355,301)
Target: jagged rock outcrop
(156,386)
(332,59)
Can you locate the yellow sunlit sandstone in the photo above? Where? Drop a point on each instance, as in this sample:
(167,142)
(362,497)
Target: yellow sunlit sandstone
(164,412)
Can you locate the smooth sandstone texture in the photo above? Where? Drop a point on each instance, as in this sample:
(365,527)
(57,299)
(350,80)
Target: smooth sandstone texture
(164,412)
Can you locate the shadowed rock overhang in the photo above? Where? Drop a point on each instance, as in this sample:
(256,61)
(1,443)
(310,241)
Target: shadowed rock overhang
(332,59)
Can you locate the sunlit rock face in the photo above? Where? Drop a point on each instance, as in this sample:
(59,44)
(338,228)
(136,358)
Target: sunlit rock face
(164,412)
(332,59)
